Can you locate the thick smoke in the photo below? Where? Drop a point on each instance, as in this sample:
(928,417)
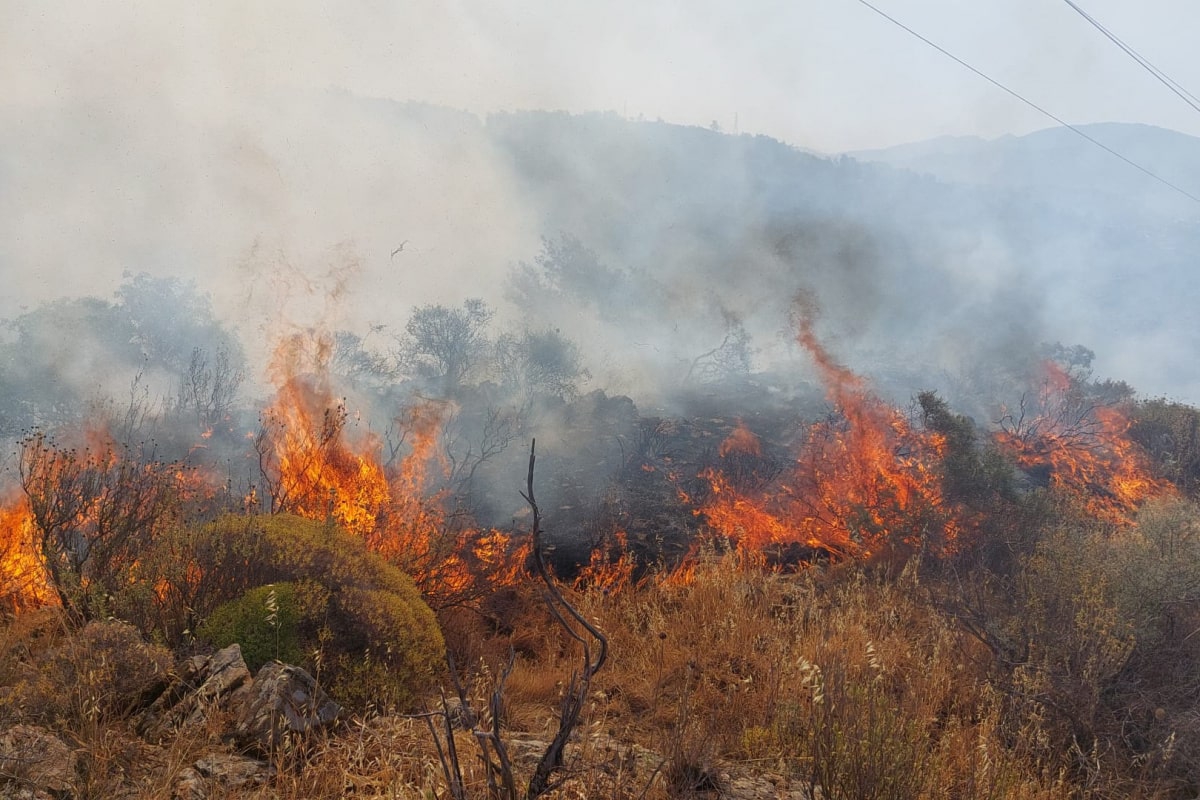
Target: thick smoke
(221,147)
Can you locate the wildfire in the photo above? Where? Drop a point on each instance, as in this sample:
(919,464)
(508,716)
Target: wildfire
(314,469)
(317,470)
(23,580)
(741,441)
(863,479)
(1082,448)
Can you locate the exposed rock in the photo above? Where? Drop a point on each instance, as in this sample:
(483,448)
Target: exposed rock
(204,683)
(746,785)
(222,771)
(284,701)
(35,761)
(608,758)
(461,716)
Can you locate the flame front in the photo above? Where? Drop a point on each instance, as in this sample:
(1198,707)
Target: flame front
(23,580)
(1082,448)
(863,479)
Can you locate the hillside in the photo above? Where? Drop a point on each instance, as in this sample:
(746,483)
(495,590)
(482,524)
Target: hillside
(832,497)
(991,245)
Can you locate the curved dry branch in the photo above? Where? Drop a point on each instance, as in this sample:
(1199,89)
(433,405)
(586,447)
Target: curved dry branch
(577,691)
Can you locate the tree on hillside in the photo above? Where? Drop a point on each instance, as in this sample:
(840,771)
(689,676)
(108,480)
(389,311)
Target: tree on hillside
(170,319)
(540,362)
(566,269)
(56,358)
(445,345)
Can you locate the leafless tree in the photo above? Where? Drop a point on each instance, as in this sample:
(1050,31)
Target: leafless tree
(95,510)
(209,386)
(500,778)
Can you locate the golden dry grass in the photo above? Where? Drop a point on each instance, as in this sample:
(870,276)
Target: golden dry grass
(846,680)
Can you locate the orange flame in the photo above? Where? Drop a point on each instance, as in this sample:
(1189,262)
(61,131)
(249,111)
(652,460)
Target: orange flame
(1084,449)
(609,569)
(317,471)
(23,580)
(862,480)
(741,440)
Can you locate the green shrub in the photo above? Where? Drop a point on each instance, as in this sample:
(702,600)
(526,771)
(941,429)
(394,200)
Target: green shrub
(393,656)
(267,622)
(340,610)
(1100,654)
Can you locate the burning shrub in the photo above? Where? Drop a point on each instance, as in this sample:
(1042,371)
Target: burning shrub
(95,510)
(339,604)
(1076,442)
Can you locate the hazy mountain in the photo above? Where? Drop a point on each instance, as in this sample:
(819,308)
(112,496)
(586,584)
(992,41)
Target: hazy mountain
(1124,247)
(1060,161)
(938,265)
(938,258)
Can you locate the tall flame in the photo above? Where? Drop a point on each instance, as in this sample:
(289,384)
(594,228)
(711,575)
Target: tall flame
(314,468)
(863,478)
(23,580)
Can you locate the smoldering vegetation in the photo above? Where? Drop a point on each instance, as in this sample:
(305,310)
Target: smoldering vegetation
(817,448)
(623,290)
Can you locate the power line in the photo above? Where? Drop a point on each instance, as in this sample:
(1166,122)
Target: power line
(1033,105)
(1163,77)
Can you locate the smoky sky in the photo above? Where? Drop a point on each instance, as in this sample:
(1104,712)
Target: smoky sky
(256,150)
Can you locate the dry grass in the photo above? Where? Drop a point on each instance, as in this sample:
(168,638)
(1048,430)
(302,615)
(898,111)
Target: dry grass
(844,680)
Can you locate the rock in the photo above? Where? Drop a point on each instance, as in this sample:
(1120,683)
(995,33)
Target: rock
(223,771)
(460,714)
(284,701)
(204,683)
(36,760)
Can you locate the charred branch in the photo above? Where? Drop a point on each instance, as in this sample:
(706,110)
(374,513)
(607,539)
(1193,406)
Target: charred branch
(568,618)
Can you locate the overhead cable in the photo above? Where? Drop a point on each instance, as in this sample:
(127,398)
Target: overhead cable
(1163,77)
(1074,129)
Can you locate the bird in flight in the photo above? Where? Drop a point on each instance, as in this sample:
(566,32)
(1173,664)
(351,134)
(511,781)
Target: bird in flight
(399,249)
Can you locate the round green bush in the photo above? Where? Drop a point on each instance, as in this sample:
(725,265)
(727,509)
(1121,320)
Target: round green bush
(392,657)
(354,620)
(266,622)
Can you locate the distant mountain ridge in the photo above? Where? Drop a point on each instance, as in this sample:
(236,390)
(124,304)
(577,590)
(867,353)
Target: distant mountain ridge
(1060,160)
(956,248)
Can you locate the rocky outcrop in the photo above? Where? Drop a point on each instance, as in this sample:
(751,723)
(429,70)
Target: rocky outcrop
(220,773)
(205,684)
(283,703)
(35,763)
(261,716)
(278,704)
